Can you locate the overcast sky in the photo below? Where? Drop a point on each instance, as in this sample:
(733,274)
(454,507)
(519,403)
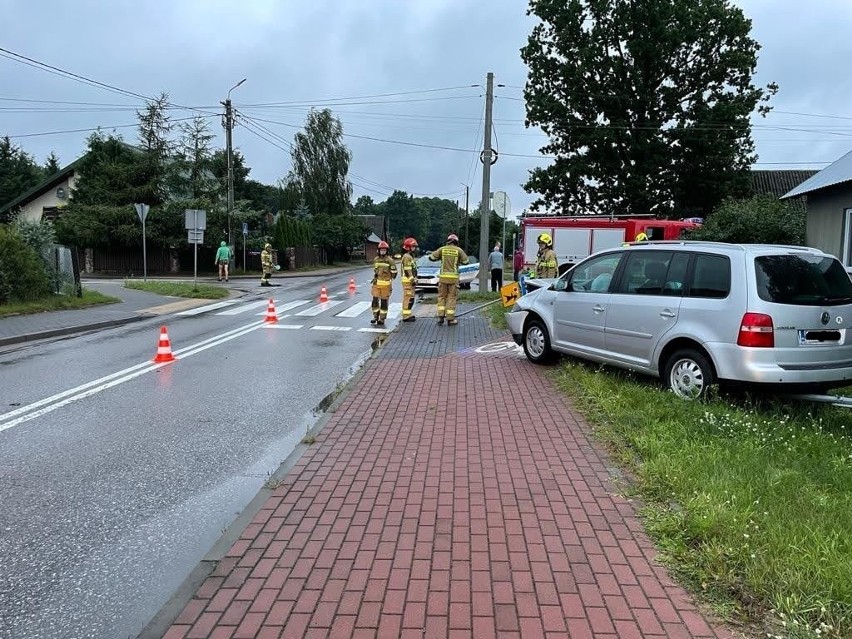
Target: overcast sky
(345,53)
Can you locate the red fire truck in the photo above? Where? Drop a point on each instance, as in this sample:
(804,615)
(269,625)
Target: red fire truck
(577,237)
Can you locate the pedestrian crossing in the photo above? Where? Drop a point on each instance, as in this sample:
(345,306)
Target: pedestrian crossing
(306,309)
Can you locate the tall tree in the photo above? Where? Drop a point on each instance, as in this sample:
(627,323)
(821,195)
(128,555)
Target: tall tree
(51,164)
(321,164)
(155,129)
(18,171)
(403,216)
(192,169)
(646,104)
(364,205)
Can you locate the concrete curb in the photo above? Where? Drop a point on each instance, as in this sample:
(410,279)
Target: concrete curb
(71,330)
(163,620)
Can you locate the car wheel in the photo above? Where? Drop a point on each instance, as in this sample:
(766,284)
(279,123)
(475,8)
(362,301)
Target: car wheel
(465,286)
(688,374)
(537,343)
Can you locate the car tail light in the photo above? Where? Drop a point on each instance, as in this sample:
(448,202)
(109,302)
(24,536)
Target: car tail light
(756,329)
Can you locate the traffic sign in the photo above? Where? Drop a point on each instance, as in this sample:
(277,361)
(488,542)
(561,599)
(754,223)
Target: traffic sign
(510,293)
(195,219)
(142,211)
(245,228)
(195,236)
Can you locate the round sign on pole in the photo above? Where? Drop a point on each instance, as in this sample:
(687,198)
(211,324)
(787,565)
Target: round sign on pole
(493,156)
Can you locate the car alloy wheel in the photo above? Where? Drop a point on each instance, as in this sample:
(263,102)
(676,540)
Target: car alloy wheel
(537,343)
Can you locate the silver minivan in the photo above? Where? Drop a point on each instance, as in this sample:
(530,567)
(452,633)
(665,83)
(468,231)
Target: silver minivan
(694,313)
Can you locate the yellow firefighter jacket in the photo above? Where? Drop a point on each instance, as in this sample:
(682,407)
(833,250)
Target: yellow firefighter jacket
(384,270)
(451,257)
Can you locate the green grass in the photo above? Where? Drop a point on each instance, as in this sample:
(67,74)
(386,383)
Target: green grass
(179,289)
(57,303)
(749,499)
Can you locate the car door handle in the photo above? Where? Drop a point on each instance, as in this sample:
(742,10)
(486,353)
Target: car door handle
(667,313)
(598,309)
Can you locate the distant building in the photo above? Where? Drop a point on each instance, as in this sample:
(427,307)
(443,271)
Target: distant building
(828,205)
(778,182)
(45,200)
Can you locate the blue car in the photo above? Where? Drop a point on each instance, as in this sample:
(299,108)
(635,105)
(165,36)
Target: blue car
(427,273)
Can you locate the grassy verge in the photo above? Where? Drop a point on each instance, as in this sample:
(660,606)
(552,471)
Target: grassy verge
(179,289)
(749,500)
(57,303)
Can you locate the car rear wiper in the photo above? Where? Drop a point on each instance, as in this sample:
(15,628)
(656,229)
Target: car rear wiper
(837,298)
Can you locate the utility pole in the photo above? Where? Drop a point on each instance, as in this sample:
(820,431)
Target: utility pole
(485,205)
(228,123)
(466,218)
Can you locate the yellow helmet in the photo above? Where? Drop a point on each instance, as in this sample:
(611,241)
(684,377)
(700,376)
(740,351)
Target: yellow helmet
(545,238)
(268,246)
(641,237)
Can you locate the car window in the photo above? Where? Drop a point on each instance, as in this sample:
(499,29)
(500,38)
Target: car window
(711,277)
(802,279)
(646,273)
(595,274)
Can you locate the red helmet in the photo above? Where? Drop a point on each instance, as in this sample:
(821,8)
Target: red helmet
(383,245)
(452,237)
(409,243)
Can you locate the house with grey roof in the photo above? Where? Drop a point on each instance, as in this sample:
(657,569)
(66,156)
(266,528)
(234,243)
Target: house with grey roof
(828,203)
(777,182)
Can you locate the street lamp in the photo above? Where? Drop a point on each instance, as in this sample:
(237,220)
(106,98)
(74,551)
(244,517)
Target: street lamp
(229,127)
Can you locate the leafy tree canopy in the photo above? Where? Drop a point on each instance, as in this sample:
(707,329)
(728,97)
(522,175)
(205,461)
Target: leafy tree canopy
(321,165)
(19,172)
(646,104)
(762,219)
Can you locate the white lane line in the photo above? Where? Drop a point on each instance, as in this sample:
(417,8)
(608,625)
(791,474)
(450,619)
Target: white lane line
(286,307)
(207,308)
(54,402)
(313,311)
(394,310)
(285,326)
(374,330)
(244,308)
(331,328)
(355,310)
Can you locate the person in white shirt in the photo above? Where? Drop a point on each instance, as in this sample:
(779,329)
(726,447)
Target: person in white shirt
(495,263)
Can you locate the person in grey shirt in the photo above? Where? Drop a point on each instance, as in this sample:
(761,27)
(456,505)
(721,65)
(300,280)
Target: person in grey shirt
(495,263)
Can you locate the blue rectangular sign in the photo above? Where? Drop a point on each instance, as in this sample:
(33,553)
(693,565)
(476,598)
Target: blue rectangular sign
(245,228)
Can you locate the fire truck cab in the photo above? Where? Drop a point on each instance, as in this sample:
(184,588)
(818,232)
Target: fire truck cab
(577,237)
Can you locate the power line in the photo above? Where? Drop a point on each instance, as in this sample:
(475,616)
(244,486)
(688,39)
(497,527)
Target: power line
(97,128)
(367,97)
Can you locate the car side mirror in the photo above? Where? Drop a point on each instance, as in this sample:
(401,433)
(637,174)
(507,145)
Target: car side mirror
(560,285)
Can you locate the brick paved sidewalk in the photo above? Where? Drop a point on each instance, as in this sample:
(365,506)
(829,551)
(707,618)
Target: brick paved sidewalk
(453,508)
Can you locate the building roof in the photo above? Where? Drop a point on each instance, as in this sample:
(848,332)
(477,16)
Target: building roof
(777,182)
(42,187)
(836,173)
(374,239)
(376,223)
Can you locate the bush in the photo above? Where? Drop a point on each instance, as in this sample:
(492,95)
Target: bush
(763,219)
(22,273)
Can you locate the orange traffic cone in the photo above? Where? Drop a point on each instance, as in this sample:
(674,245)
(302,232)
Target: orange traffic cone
(164,348)
(351,284)
(323,295)
(271,315)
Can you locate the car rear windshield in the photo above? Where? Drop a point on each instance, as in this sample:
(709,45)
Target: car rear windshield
(802,280)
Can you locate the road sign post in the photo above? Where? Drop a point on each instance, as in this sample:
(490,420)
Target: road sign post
(245,235)
(142,213)
(195,221)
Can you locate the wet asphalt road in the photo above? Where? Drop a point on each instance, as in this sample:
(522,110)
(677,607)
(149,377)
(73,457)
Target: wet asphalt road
(112,493)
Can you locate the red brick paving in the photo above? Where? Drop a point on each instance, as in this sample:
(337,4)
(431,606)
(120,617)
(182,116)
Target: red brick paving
(455,507)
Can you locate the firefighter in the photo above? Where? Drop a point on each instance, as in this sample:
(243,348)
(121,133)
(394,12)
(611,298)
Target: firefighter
(640,237)
(409,278)
(266,264)
(546,265)
(451,257)
(384,271)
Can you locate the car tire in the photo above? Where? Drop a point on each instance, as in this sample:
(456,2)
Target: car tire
(536,341)
(465,286)
(688,374)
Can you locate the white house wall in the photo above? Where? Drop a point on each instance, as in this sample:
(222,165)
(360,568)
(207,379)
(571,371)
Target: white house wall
(32,211)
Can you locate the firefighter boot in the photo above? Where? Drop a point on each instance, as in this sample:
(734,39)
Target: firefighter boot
(440,321)
(452,322)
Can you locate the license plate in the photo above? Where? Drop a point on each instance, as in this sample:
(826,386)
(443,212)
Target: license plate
(817,337)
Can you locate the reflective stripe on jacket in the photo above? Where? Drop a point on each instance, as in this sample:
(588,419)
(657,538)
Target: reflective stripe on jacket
(451,257)
(546,266)
(409,268)
(384,270)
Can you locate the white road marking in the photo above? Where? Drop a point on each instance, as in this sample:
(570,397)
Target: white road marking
(394,310)
(331,328)
(286,307)
(374,330)
(313,311)
(285,326)
(52,403)
(244,308)
(207,308)
(355,310)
